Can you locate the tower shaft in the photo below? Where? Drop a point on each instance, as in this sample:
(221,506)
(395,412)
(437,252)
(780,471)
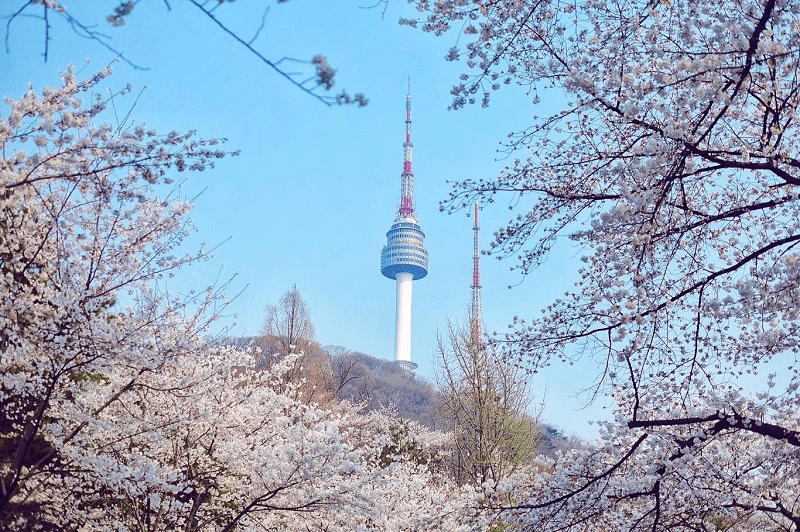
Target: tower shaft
(402,324)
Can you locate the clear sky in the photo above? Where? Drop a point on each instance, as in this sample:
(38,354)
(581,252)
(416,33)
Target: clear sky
(315,189)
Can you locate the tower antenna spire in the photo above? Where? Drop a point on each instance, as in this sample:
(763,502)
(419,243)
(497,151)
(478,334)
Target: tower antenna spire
(407,177)
(404,257)
(475,311)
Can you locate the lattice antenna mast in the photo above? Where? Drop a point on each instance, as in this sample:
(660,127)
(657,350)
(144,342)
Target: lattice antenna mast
(407,177)
(476,318)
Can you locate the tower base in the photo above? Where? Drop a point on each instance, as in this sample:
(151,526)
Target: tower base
(407,365)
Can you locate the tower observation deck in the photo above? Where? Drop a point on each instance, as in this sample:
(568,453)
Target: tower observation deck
(404,257)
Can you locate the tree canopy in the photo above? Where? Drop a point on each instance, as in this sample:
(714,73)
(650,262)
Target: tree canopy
(673,165)
(484,400)
(118,408)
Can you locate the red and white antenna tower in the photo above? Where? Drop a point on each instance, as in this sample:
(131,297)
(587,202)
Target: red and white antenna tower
(476,285)
(407,177)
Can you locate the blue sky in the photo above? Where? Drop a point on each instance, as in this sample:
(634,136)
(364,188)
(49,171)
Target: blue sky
(310,198)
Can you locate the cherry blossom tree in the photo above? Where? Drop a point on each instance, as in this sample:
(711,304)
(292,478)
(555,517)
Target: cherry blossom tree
(673,164)
(91,220)
(119,410)
(215,443)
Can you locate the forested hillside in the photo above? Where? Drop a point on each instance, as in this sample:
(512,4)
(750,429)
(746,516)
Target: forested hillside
(378,384)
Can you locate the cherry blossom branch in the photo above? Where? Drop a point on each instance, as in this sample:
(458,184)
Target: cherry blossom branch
(324,76)
(593,480)
(724,421)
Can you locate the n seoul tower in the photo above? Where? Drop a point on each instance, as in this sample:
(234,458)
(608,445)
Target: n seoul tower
(404,257)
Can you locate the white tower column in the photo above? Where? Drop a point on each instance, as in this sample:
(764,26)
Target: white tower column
(402,338)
